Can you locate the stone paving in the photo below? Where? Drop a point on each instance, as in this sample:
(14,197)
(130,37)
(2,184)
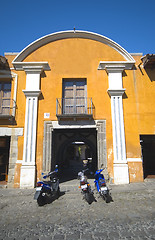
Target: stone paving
(131,214)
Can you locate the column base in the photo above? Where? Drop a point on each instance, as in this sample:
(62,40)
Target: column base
(121,173)
(27,176)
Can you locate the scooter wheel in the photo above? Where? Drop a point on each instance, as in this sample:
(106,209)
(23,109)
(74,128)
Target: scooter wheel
(88,197)
(106,198)
(58,192)
(41,200)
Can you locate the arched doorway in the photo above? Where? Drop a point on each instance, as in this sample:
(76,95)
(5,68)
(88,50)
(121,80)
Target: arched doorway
(75,149)
(75,157)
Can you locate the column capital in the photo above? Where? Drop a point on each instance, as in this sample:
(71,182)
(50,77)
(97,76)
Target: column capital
(116,92)
(32,93)
(31,67)
(115,66)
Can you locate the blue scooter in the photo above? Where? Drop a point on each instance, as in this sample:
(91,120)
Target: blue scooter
(100,184)
(46,191)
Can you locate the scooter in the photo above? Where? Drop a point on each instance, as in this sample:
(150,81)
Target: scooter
(101,187)
(46,191)
(85,187)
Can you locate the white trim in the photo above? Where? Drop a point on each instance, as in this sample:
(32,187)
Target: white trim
(114,92)
(136,54)
(5,131)
(11,53)
(118,130)
(30,93)
(121,174)
(134,160)
(27,179)
(19,161)
(29,150)
(71,34)
(117,66)
(15,91)
(31,67)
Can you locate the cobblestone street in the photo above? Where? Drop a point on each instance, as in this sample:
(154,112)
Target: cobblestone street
(131,214)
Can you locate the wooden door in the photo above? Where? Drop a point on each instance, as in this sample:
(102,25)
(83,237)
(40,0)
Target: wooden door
(74,96)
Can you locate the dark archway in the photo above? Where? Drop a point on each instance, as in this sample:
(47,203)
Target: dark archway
(66,143)
(4,158)
(148,155)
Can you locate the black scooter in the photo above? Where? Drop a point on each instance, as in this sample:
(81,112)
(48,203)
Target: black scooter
(47,191)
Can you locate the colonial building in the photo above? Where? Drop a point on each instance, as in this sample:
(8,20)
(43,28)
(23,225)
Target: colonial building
(76,96)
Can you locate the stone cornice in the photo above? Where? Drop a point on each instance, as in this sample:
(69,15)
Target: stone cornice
(115,66)
(33,70)
(34,93)
(31,67)
(5,131)
(116,92)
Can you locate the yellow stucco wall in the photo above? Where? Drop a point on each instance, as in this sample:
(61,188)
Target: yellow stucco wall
(79,58)
(75,58)
(135,172)
(139,111)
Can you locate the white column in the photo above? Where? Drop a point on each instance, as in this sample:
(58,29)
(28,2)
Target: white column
(114,70)
(121,174)
(32,92)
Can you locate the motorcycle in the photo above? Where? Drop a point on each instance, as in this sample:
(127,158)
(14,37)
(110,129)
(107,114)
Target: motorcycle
(46,191)
(100,184)
(85,187)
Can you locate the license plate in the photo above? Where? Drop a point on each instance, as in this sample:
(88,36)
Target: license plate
(38,188)
(84,186)
(103,188)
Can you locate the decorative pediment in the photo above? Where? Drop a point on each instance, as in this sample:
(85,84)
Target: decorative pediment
(71,34)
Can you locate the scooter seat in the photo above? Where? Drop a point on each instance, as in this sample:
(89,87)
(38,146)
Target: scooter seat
(48,182)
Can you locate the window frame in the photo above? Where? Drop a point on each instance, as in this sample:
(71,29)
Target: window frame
(5,101)
(75,104)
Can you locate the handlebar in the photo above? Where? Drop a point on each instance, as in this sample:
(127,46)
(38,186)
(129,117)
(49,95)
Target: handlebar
(50,173)
(84,170)
(99,171)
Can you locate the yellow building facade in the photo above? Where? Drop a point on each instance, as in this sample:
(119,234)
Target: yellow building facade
(76,90)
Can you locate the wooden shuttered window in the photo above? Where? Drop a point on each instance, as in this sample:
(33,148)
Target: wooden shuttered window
(5,97)
(74,96)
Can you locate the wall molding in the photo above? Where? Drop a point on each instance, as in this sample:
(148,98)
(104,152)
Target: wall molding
(134,160)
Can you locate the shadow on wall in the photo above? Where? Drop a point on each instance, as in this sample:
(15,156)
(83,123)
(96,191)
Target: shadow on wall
(149,65)
(151,73)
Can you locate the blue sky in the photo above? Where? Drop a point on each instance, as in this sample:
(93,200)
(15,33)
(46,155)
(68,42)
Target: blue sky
(129,23)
